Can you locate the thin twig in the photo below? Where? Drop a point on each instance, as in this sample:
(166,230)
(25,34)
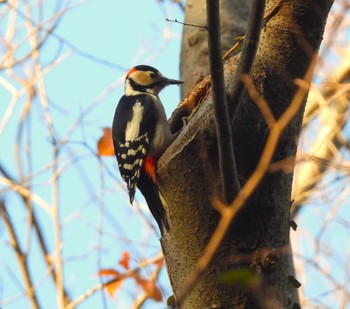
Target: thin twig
(186,24)
(33,40)
(268,15)
(55,178)
(16,95)
(27,195)
(227,162)
(7,64)
(273,11)
(100,286)
(233,48)
(21,256)
(249,48)
(100,225)
(259,100)
(49,33)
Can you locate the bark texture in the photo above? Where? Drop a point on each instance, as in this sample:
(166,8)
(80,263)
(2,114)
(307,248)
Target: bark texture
(189,174)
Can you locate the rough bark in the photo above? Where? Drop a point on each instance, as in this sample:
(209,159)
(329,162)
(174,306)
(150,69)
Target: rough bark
(259,235)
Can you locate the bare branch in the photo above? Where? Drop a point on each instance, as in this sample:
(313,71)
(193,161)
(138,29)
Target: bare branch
(28,198)
(100,286)
(50,32)
(186,24)
(249,48)
(223,113)
(227,162)
(21,256)
(24,192)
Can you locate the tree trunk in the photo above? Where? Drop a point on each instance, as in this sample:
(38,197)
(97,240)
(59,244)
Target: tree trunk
(258,238)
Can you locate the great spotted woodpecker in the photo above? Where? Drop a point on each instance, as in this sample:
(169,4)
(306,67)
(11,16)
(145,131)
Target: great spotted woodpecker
(141,133)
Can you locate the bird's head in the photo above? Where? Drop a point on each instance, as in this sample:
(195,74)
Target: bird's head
(146,79)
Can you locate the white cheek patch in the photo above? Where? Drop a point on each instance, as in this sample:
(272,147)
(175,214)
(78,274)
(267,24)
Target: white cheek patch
(133,126)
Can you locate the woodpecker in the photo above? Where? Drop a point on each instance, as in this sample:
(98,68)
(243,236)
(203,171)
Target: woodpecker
(141,133)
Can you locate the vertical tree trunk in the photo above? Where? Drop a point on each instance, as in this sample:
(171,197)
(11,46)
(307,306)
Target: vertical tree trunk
(258,238)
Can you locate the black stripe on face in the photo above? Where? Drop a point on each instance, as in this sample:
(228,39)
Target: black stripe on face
(137,86)
(156,85)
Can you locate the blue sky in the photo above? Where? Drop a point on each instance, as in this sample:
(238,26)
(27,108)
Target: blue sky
(97,41)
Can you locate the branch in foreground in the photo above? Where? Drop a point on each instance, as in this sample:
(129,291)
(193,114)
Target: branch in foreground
(21,256)
(250,46)
(227,162)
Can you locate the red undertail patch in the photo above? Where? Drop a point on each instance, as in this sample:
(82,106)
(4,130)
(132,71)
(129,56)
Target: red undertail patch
(150,168)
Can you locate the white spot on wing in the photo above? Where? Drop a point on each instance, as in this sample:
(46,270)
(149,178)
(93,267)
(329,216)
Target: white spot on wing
(128,166)
(134,152)
(133,126)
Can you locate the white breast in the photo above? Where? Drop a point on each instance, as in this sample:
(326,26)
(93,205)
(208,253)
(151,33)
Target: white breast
(162,135)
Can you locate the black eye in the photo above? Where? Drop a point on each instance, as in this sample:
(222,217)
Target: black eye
(153,75)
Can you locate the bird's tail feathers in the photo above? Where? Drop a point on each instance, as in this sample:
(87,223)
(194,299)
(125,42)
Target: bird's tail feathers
(131,190)
(155,200)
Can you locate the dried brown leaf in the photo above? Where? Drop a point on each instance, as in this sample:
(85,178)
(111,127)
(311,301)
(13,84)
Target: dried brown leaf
(149,287)
(112,287)
(124,261)
(105,143)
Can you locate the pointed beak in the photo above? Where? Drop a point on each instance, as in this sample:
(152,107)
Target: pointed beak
(169,81)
